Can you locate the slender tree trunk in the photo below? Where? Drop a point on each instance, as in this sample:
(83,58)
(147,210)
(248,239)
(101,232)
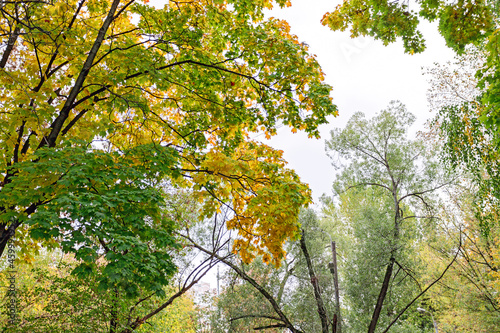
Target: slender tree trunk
(113,323)
(381,296)
(283,283)
(337,322)
(10,46)
(5,235)
(314,281)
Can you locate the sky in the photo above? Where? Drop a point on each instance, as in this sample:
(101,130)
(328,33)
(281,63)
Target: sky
(365,76)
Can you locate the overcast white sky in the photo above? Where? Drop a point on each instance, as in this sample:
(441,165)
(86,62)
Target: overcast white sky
(365,76)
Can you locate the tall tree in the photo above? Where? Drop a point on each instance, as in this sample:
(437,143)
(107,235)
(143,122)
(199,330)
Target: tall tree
(106,103)
(406,173)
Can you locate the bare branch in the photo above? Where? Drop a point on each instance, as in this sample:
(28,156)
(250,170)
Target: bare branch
(425,290)
(426,191)
(254,284)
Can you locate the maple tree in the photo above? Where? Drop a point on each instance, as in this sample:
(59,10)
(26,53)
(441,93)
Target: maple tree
(105,104)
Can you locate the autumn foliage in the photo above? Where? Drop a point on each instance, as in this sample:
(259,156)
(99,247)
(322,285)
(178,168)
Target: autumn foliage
(104,102)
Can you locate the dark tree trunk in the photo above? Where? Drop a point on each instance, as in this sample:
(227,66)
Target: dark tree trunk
(10,46)
(314,281)
(381,296)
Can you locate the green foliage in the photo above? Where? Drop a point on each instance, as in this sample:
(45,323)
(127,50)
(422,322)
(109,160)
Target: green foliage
(490,85)
(180,317)
(239,300)
(50,299)
(385,201)
(383,20)
(468,143)
(301,301)
(120,98)
(98,203)
(460,23)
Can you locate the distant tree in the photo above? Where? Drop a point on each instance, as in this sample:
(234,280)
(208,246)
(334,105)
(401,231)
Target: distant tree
(403,176)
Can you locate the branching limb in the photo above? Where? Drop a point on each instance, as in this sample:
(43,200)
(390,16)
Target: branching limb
(253,316)
(253,283)
(425,290)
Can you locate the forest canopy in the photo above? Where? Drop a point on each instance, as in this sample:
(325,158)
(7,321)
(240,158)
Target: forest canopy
(106,103)
(132,165)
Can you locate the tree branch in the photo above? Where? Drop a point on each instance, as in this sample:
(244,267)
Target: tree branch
(63,115)
(253,283)
(425,290)
(10,46)
(323,316)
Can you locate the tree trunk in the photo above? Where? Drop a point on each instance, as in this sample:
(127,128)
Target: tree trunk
(10,46)
(381,296)
(314,281)
(337,322)
(113,323)
(50,140)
